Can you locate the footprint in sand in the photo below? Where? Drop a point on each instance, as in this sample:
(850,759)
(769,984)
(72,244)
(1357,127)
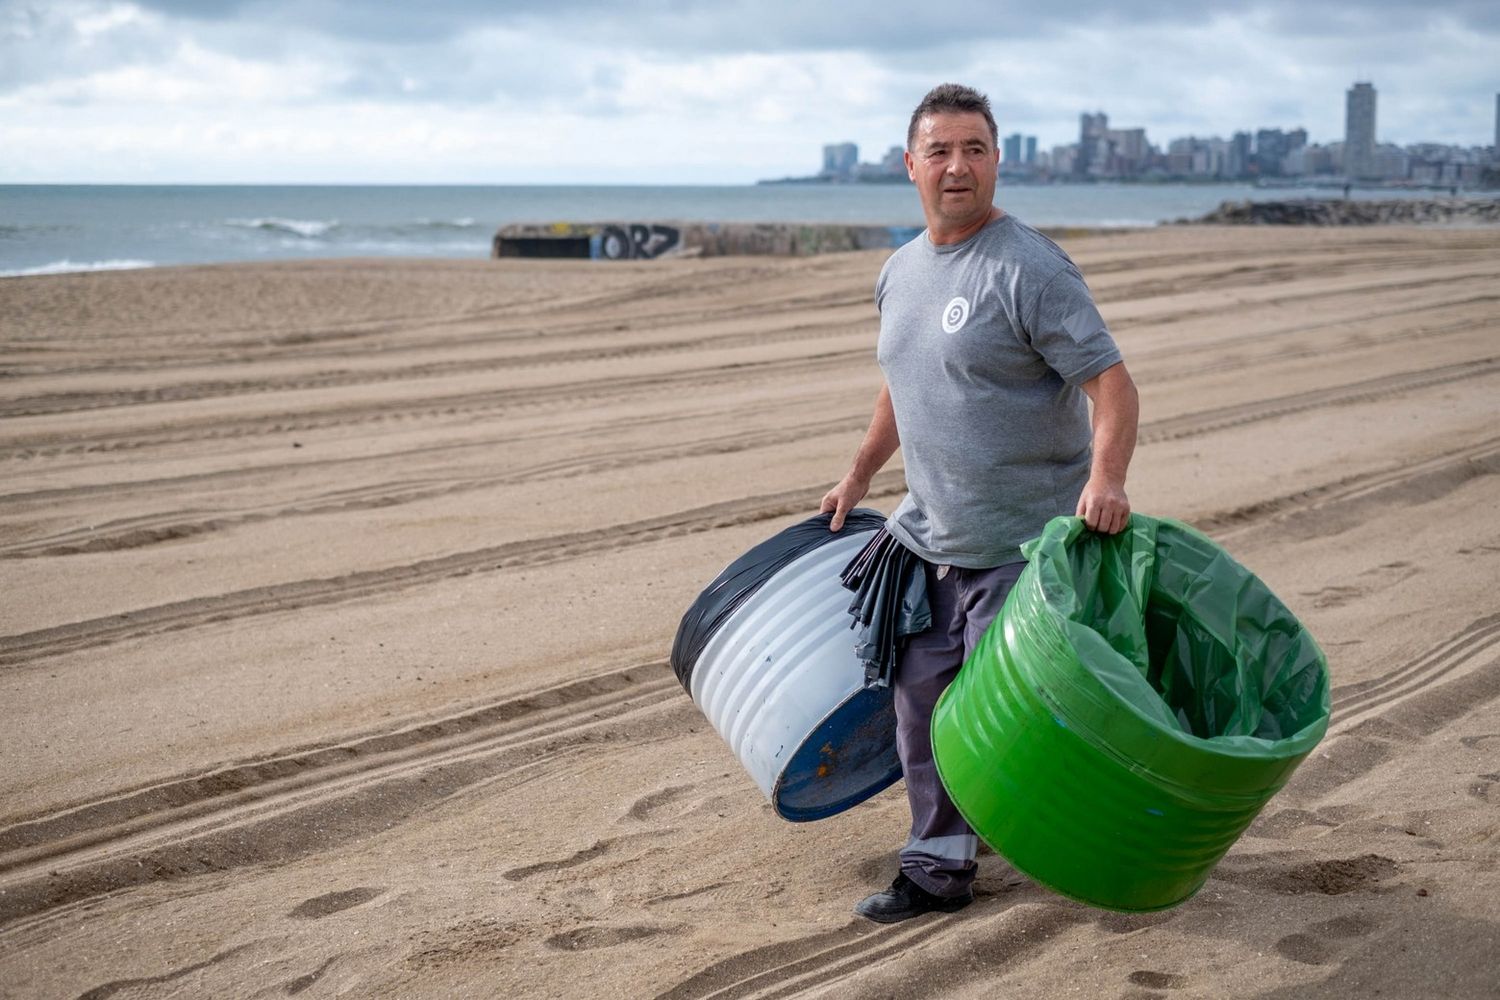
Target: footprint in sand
(464,942)
(594,936)
(649,803)
(879,868)
(598,849)
(1335,877)
(1332,877)
(1288,823)
(1483,788)
(1157,980)
(333,902)
(1376,580)
(295,986)
(719,894)
(1321,942)
(1129,923)
(1304,948)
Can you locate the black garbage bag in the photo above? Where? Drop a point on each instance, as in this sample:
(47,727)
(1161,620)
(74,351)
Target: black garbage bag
(890,603)
(743,577)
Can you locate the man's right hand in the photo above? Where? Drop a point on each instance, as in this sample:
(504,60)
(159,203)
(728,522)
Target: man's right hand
(843,498)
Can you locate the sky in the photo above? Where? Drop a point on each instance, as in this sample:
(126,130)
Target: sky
(676,92)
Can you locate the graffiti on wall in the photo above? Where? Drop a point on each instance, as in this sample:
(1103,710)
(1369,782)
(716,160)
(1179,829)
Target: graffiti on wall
(635,241)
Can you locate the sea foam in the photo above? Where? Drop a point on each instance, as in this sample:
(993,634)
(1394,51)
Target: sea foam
(306,228)
(73,267)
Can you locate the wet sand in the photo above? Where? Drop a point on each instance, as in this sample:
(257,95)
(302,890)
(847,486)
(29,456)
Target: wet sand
(338,596)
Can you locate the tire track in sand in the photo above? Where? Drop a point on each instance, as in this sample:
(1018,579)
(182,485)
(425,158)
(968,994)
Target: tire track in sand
(491,402)
(197,823)
(1445,683)
(1378,721)
(41,643)
(423,337)
(136,532)
(81,400)
(1328,508)
(767,970)
(1364,391)
(1474,650)
(1191,364)
(789,968)
(464,446)
(306,800)
(29,647)
(73,402)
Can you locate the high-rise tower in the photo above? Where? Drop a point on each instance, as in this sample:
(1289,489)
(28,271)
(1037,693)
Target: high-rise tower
(1359,132)
(1091,131)
(839,159)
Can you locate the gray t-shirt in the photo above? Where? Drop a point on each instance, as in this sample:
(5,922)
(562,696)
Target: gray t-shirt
(983,345)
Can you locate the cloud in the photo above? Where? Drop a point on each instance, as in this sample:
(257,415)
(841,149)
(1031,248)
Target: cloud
(680,26)
(40,43)
(671,90)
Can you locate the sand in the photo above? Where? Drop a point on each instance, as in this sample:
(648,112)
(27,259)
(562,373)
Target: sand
(338,596)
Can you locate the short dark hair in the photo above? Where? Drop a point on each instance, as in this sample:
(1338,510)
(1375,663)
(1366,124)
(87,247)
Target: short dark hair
(952,97)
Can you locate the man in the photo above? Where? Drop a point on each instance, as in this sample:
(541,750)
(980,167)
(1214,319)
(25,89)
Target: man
(989,344)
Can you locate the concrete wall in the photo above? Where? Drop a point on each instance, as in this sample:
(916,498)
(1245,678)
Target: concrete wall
(651,240)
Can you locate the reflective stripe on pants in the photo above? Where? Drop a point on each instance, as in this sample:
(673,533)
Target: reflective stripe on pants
(959,847)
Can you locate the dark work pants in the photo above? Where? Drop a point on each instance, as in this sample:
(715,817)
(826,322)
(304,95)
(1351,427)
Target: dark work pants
(939,857)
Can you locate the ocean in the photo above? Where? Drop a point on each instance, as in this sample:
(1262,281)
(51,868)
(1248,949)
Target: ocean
(48,229)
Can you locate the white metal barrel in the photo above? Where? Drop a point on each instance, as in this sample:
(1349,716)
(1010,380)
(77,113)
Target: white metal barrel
(778,677)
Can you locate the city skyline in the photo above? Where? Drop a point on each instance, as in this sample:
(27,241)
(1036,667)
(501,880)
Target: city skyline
(351,91)
(1267,153)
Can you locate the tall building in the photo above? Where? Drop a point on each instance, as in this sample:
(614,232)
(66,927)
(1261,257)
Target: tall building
(839,159)
(1359,132)
(1031,143)
(894,161)
(1129,151)
(1065,158)
(1012,150)
(1019,154)
(1239,155)
(1270,149)
(1497,127)
(1091,131)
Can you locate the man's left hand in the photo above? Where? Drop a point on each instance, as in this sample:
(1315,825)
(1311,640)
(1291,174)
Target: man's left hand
(1104,507)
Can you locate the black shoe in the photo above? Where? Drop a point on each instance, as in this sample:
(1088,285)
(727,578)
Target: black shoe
(905,899)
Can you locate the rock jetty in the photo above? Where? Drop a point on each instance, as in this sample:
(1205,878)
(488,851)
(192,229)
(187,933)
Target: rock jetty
(1338,212)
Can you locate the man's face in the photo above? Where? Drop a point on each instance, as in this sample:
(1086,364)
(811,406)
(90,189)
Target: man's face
(953,163)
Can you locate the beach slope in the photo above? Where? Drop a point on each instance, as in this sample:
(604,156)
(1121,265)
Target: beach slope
(338,596)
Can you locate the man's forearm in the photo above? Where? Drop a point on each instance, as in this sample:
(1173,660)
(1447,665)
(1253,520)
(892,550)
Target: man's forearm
(881,440)
(1117,412)
(880,443)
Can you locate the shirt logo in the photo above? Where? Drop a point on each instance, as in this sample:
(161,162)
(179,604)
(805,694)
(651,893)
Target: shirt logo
(955,314)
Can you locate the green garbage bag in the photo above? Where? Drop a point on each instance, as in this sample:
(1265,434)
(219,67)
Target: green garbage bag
(1138,700)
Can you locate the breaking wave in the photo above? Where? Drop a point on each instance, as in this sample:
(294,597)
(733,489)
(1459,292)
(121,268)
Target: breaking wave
(464,223)
(320,229)
(72,267)
(307,229)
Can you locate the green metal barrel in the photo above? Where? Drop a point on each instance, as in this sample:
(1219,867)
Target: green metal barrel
(1136,703)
